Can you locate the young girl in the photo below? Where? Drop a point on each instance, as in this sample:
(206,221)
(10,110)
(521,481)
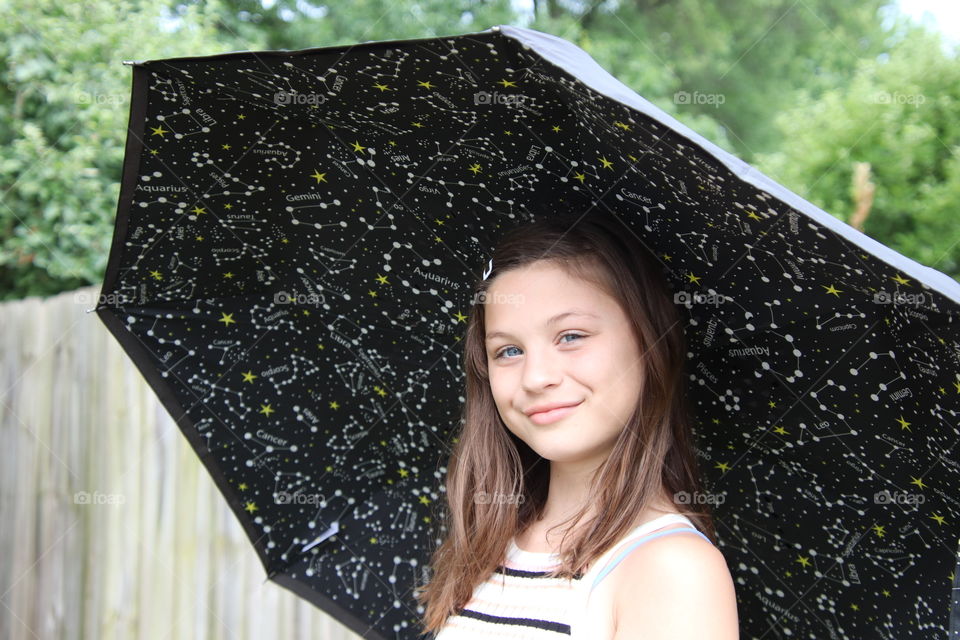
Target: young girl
(573,489)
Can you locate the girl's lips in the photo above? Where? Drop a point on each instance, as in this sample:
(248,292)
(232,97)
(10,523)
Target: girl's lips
(546,417)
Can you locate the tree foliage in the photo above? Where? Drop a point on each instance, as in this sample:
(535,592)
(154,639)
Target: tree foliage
(790,86)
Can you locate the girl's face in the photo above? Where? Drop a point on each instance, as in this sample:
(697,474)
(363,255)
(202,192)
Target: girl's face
(538,357)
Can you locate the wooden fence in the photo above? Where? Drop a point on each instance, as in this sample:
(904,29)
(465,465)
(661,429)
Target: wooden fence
(110,526)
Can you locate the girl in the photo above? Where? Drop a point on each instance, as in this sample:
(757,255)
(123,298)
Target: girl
(572,491)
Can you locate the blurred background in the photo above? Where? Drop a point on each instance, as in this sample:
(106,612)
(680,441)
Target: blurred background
(110,526)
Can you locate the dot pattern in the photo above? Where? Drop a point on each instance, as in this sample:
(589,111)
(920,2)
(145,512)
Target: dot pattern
(291,270)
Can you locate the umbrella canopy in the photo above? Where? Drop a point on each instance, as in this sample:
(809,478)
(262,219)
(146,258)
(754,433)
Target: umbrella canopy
(295,244)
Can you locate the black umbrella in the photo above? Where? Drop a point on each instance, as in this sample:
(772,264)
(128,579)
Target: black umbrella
(295,244)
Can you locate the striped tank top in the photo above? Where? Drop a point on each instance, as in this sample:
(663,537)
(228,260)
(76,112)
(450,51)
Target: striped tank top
(519,601)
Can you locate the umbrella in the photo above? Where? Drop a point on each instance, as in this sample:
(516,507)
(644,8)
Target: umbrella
(291,269)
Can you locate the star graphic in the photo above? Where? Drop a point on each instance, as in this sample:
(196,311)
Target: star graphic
(321,177)
(227,319)
(159,131)
(266,409)
(248,376)
(832,290)
(475,168)
(425,85)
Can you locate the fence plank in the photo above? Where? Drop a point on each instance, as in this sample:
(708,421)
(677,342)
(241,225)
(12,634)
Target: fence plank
(112,528)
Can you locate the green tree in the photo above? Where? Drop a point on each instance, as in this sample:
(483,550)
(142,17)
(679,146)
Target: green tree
(64,104)
(899,114)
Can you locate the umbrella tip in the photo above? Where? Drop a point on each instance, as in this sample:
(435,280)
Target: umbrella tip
(129,63)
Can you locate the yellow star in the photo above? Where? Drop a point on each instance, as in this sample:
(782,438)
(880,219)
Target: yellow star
(228,206)
(424,500)
(805,561)
(228,274)
(418,125)
(334,405)
(623,126)
(154,152)
(938,518)
(667,257)
(266,409)
(606,163)
(507,83)
(556,129)
(159,131)
(227,319)
(693,278)
(904,424)
(379,390)
(392,143)
(248,376)
(460,317)
(918,482)
(382,279)
(372,293)
(403,473)
(382,87)
(878,529)
(723,466)
(899,279)
(781,431)
(321,177)
(475,168)
(425,85)
(242,486)
(832,290)
(753,215)
(198,210)
(251,507)
(199,238)
(358,147)
(226,147)
(241,117)
(508,132)
(156,275)
(579,176)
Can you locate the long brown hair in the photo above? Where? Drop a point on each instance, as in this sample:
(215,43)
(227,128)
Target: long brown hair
(654,455)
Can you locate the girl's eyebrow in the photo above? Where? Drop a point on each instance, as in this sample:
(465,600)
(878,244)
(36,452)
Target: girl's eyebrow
(553,320)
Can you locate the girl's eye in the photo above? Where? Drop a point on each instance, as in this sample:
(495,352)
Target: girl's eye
(499,354)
